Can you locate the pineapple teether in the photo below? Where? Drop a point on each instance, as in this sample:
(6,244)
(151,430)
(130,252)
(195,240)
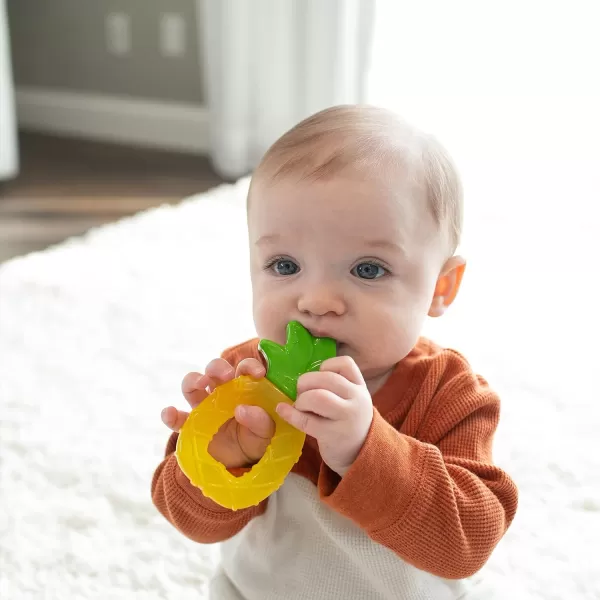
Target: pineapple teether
(301,354)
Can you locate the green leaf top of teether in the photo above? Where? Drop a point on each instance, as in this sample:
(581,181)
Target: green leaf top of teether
(301,354)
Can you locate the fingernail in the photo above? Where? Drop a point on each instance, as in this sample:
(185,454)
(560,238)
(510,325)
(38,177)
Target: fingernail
(163,414)
(241,411)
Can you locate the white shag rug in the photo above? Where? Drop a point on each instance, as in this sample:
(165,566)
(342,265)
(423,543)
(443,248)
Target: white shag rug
(96,334)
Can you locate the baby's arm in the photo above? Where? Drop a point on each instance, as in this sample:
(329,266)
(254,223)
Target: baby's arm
(432,496)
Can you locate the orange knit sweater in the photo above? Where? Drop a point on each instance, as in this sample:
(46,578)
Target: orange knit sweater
(423,485)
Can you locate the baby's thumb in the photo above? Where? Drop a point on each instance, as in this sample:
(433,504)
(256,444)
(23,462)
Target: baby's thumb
(256,420)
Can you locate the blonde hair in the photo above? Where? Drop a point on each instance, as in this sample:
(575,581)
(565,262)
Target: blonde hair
(360,136)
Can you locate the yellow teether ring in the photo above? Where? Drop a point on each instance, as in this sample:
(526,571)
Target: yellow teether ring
(302,353)
(206,473)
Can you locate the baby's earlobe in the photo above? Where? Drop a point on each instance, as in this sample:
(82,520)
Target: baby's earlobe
(438,307)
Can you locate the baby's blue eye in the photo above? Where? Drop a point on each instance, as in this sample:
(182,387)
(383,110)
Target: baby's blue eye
(285,267)
(368,271)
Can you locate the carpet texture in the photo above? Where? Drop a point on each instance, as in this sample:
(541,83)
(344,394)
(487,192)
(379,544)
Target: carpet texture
(96,334)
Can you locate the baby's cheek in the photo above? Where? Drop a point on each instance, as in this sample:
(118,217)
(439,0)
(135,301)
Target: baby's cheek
(270,319)
(398,333)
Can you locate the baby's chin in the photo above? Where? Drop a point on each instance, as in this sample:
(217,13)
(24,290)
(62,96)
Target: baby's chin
(346,350)
(343,349)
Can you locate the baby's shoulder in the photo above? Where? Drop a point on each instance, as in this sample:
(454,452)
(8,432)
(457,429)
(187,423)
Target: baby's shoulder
(429,354)
(447,372)
(444,390)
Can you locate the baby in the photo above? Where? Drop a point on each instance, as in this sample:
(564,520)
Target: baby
(354,218)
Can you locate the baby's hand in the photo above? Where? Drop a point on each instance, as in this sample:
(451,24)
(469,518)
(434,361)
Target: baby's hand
(241,441)
(335,407)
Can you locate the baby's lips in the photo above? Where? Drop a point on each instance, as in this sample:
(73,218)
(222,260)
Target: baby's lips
(319,333)
(324,333)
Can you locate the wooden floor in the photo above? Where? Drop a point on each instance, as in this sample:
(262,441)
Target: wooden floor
(66,186)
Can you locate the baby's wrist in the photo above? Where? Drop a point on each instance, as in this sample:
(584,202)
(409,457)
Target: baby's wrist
(343,468)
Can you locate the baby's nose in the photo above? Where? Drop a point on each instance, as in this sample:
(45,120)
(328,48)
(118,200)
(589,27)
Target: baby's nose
(320,300)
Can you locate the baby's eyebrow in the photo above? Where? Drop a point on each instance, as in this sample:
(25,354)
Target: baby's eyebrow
(385,245)
(265,240)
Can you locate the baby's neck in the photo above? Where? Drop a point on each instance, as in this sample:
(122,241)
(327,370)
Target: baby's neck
(375,383)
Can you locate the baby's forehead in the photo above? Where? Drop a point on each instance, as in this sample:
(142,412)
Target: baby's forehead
(343,209)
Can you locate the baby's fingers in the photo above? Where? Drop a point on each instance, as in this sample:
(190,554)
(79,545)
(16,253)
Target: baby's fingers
(194,387)
(256,419)
(173,418)
(252,367)
(219,371)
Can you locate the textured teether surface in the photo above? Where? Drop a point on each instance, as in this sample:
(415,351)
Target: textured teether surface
(215,481)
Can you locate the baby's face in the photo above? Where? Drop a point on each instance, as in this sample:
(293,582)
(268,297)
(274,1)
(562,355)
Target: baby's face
(348,258)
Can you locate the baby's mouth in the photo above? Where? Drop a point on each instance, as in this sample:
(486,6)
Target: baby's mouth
(319,333)
(341,347)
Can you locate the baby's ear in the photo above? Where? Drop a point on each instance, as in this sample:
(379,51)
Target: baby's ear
(447,285)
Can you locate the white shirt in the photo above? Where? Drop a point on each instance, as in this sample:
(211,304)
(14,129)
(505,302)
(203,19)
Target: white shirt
(300,549)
